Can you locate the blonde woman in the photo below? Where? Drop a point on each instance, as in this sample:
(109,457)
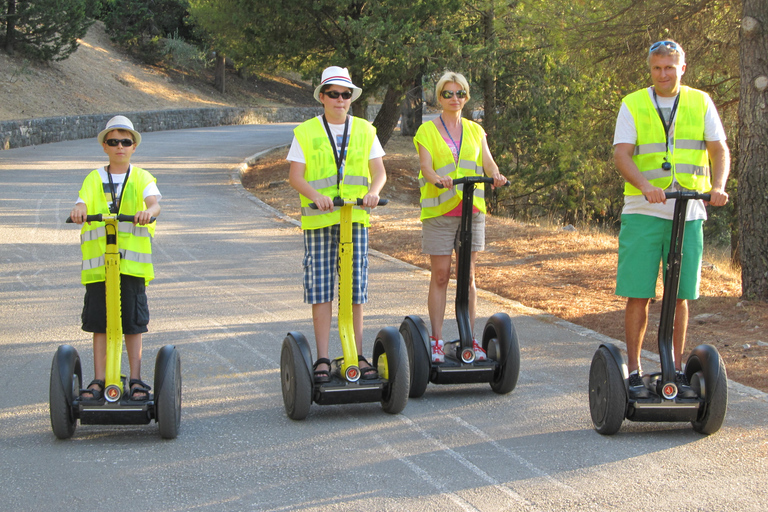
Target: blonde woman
(451,147)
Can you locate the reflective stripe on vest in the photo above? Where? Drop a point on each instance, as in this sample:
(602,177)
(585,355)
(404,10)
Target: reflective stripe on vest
(435,201)
(321,173)
(689,157)
(134,242)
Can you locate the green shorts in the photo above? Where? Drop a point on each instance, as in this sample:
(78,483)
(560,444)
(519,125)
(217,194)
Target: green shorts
(644,244)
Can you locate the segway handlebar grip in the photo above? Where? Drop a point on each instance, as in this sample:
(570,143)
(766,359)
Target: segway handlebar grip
(99,217)
(337,201)
(471,179)
(687,194)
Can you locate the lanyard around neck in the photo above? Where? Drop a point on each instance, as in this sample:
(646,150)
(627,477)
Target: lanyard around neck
(117,200)
(461,138)
(661,116)
(338,155)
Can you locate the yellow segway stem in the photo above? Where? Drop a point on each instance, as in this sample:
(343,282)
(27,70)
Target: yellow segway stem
(349,366)
(113,384)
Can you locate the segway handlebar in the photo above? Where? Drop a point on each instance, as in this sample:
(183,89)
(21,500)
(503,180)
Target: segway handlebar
(687,194)
(99,217)
(337,201)
(471,179)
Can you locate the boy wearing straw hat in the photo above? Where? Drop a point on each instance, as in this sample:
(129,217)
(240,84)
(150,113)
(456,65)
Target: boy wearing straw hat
(332,155)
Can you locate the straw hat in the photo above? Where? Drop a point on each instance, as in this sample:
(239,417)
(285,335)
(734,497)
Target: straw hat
(335,75)
(120,123)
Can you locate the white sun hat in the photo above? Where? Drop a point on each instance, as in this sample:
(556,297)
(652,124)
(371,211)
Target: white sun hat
(335,75)
(120,123)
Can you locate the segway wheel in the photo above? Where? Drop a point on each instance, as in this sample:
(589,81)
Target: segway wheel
(500,328)
(390,356)
(66,381)
(607,394)
(416,338)
(705,370)
(295,377)
(168,391)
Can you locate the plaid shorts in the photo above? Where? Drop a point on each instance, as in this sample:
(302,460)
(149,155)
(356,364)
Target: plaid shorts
(321,263)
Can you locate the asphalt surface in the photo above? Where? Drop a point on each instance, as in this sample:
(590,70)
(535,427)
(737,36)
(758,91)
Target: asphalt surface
(228,289)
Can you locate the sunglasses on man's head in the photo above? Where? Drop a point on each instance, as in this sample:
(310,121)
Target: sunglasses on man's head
(669,44)
(114,142)
(449,94)
(335,94)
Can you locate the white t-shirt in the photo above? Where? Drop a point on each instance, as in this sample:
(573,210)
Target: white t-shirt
(118,180)
(626,132)
(296,154)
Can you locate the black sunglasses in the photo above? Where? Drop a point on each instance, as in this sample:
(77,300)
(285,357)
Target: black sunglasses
(449,94)
(335,94)
(114,142)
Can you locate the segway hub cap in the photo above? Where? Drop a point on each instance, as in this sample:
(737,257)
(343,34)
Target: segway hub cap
(669,391)
(353,374)
(112,393)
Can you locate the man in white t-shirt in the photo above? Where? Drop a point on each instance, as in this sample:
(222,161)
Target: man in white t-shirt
(335,155)
(667,137)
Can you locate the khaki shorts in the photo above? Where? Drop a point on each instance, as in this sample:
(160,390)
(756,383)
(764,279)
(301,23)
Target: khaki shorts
(440,235)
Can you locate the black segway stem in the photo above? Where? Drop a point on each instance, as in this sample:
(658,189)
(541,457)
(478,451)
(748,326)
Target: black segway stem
(671,283)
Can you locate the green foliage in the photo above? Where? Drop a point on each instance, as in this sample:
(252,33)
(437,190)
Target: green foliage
(178,53)
(48,29)
(140,26)
(550,74)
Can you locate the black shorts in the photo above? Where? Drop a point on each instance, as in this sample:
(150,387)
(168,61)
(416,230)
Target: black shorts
(133,298)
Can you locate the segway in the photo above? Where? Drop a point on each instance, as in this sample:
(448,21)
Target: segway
(499,341)
(609,400)
(114,406)
(345,387)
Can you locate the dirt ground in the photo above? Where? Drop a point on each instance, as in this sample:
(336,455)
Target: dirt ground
(98,79)
(568,274)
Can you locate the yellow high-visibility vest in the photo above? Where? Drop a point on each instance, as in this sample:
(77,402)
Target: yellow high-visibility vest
(439,201)
(133,242)
(321,171)
(689,159)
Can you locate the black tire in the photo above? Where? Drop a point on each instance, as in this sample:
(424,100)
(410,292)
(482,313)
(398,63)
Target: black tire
(607,393)
(500,328)
(416,338)
(168,391)
(396,369)
(705,363)
(66,381)
(295,377)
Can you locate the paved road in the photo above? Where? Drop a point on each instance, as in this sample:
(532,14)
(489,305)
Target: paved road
(228,288)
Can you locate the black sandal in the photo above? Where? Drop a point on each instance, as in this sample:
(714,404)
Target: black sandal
(367,372)
(322,376)
(142,388)
(95,393)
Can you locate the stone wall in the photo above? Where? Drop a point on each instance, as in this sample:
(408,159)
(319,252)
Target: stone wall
(29,132)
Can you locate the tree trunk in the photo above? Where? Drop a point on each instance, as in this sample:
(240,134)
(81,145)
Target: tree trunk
(488,82)
(412,109)
(387,118)
(10,21)
(219,74)
(753,150)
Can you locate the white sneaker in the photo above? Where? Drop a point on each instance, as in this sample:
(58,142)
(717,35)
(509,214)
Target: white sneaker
(480,354)
(438,356)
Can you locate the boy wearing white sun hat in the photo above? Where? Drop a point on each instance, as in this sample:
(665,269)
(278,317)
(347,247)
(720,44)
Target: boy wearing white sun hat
(335,155)
(117,188)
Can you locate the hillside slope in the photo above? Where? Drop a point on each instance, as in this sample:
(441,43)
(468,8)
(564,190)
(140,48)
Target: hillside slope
(98,78)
